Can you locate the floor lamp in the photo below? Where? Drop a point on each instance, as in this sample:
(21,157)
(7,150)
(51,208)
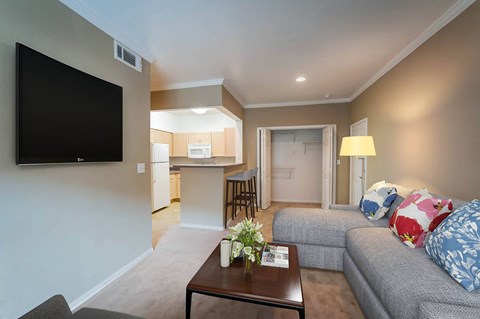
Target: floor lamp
(358,146)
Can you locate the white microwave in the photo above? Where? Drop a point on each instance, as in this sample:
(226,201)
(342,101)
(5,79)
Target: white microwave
(199,150)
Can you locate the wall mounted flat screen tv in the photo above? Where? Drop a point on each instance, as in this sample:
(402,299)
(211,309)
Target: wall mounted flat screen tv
(64,115)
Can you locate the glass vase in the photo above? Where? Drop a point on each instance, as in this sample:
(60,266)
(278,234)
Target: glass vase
(248,270)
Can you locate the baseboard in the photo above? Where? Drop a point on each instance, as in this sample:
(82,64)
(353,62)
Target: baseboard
(296,201)
(219,228)
(92,292)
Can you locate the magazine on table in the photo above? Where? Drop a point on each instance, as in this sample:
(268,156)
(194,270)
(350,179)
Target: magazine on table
(275,256)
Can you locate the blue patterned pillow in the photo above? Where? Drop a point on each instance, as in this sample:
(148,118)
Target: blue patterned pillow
(455,245)
(375,203)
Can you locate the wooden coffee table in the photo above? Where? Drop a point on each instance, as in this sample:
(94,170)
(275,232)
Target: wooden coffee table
(270,286)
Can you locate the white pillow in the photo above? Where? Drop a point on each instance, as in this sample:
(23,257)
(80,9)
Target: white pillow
(375,186)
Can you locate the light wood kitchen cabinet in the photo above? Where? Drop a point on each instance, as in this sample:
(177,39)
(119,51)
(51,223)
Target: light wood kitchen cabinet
(157,136)
(178,185)
(153,136)
(224,143)
(200,138)
(180,144)
(230,141)
(218,143)
(174,186)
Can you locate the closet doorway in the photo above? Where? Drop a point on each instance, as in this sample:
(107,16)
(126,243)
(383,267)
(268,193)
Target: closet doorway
(296,164)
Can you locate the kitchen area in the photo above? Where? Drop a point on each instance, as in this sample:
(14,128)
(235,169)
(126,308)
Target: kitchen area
(193,150)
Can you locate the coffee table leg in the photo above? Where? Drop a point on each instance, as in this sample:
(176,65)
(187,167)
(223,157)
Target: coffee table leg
(301,313)
(188,305)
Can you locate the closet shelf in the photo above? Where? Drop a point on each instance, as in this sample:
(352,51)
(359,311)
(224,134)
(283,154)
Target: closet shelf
(294,134)
(284,171)
(307,143)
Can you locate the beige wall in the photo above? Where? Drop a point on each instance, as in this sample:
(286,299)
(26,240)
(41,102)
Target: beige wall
(66,228)
(231,104)
(300,115)
(424,114)
(187,98)
(213,96)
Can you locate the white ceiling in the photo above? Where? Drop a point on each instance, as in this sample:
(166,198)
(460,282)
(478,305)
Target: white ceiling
(259,47)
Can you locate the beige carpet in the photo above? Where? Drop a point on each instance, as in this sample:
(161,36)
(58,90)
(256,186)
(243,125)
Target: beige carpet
(156,287)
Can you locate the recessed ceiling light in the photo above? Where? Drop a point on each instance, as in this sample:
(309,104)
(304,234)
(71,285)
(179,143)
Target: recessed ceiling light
(199,110)
(300,79)
(327,96)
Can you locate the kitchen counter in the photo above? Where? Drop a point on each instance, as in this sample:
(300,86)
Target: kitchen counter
(203,194)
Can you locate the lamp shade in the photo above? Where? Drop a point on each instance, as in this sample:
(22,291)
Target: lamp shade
(357,146)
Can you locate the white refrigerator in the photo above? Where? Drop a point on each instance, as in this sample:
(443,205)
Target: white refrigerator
(160,176)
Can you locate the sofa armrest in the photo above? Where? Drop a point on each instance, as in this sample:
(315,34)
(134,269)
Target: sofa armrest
(434,310)
(343,207)
(55,307)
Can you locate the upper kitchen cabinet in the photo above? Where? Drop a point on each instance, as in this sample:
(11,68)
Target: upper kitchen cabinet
(158,136)
(223,142)
(230,142)
(180,144)
(200,138)
(218,143)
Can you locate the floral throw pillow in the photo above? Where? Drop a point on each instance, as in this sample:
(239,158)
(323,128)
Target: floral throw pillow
(418,215)
(455,245)
(375,203)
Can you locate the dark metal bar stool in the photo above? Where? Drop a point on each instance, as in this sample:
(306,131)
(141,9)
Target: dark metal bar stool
(241,194)
(251,192)
(254,188)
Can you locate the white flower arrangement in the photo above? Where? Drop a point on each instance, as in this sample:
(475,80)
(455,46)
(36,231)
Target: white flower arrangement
(246,237)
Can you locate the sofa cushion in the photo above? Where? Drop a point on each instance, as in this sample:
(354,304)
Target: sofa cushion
(55,307)
(434,310)
(418,215)
(401,277)
(375,203)
(317,226)
(455,245)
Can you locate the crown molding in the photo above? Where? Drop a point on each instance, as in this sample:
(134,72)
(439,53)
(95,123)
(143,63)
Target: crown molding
(188,85)
(88,14)
(233,93)
(448,16)
(297,103)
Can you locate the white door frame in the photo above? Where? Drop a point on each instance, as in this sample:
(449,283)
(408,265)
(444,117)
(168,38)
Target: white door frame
(305,127)
(362,122)
(265,168)
(328,162)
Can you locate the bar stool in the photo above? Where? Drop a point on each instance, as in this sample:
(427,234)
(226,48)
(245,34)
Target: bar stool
(251,192)
(254,188)
(241,189)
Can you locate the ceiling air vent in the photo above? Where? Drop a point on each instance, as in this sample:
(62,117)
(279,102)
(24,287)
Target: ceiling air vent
(127,56)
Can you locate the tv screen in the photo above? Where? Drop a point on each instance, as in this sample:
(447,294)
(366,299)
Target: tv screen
(65,115)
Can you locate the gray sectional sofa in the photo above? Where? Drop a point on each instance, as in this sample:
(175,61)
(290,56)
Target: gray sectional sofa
(389,279)
(56,307)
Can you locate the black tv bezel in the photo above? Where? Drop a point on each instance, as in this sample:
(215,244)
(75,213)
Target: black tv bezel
(58,160)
